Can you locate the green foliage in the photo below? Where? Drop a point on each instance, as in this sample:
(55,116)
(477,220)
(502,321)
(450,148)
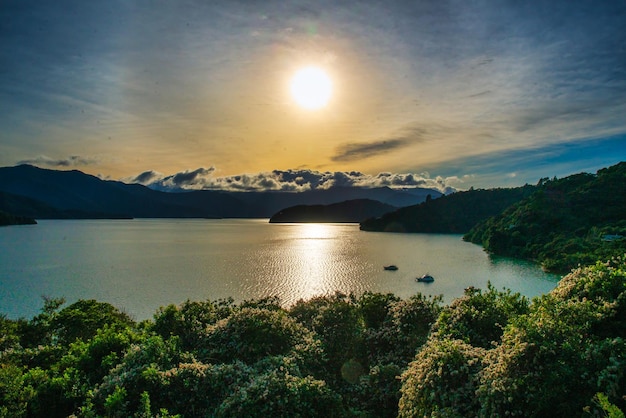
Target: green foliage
(610,410)
(456,213)
(565,223)
(280,394)
(442,380)
(115,403)
(82,319)
(189,320)
(250,334)
(489,353)
(376,307)
(567,348)
(38,331)
(479,318)
(9,337)
(379,391)
(549,358)
(14,392)
(338,323)
(198,389)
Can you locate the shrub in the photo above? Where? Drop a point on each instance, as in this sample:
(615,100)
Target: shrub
(338,323)
(190,320)
(280,394)
(479,318)
(442,380)
(566,349)
(83,319)
(251,334)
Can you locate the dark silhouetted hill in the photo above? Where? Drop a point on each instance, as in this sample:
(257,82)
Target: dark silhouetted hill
(454,213)
(73,194)
(348,211)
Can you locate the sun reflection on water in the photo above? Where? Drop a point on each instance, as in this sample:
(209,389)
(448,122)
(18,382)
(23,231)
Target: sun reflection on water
(315,251)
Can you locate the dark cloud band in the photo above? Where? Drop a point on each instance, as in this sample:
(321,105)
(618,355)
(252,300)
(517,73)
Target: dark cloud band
(71,161)
(352,152)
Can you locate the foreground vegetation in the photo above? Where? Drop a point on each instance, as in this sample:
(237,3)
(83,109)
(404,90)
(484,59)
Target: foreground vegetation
(488,353)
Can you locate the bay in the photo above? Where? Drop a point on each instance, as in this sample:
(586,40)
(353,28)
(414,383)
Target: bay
(140,265)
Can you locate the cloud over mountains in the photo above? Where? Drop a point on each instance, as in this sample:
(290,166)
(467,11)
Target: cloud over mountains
(285,180)
(71,161)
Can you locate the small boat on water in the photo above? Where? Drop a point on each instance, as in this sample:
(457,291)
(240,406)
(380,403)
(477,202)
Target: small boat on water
(426,278)
(391,267)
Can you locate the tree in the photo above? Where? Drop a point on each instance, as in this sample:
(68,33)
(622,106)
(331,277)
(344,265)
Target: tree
(442,380)
(478,317)
(82,319)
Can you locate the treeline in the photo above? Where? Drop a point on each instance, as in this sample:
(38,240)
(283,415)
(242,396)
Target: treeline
(456,213)
(566,222)
(8,219)
(488,353)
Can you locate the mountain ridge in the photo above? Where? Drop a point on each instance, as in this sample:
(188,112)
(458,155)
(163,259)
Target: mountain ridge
(43,193)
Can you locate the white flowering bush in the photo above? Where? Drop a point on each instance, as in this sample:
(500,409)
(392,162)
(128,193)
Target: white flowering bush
(442,380)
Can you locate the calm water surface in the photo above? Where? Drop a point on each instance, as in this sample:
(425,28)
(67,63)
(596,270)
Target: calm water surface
(139,265)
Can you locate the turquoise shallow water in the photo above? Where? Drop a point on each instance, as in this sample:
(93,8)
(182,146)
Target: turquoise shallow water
(139,265)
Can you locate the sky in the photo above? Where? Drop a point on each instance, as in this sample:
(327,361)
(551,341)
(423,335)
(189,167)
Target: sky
(196,93)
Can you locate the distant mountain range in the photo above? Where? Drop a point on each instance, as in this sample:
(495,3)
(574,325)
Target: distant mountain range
(39,193)
(349,211)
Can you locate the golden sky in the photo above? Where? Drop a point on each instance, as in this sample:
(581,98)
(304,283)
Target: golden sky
(477,93)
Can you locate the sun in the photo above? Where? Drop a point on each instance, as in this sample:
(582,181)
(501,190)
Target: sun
(311,88)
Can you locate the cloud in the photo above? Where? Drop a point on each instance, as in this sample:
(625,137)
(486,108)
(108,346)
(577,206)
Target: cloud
(286,180)
(189,177)
(146,177)
(358,151)
(508,168)
(185,180)
(71,161)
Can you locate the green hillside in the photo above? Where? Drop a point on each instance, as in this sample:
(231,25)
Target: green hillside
(575,220)
(456,213)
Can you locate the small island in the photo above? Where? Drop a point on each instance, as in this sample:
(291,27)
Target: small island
(350,211)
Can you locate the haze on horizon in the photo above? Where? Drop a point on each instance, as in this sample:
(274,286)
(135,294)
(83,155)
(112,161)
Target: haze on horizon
(487,93)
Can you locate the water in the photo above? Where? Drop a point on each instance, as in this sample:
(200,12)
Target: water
(140,265)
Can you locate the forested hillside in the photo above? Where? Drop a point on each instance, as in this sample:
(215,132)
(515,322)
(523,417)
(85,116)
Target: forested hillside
(575,220)
(456,213)
(488,353)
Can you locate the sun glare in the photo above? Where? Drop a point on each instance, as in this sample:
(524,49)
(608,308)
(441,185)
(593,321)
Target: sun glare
(311,88)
